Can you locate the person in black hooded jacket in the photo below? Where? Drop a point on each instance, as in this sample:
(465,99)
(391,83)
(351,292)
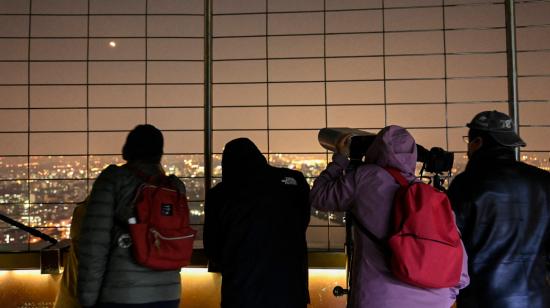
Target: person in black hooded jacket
(502,208)
(255,231)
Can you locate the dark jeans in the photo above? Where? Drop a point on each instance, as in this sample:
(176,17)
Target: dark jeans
(167,304)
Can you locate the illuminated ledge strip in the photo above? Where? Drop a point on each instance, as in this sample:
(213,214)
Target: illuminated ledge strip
(31,260)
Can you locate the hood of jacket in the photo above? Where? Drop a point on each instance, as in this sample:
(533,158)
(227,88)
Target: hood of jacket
(242,162)
(393,147)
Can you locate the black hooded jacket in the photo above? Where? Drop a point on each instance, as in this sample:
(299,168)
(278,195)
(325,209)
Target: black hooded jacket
(255,230)
(503,211)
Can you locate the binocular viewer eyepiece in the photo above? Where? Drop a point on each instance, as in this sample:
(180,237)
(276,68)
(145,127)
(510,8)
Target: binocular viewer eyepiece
(436,160)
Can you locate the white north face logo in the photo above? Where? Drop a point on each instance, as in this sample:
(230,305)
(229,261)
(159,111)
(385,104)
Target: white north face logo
(289,181)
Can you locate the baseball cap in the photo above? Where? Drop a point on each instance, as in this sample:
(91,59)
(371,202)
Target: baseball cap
(499,126)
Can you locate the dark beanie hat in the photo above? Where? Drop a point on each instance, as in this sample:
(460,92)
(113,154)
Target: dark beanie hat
(144,142)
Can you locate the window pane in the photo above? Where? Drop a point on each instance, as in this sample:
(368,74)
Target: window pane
(415,67)
(317,237)
(534,114)
(98,163)
(354,68)
(14,7)
(12,168)
(14,120)
(296,117)
(117,96)
(354,44)
(227,25)
(476,40)
(115,119)
(58,73)
(238,6)
(53,191)
(413,19)
(239,71)
(534,88)
(240,118)
(356,116)
(415,115)
(476,65)
(13,49)
(58,120)
(65,143)
(175,72)
(13,73)
(534,13)
(58,96)
(183,142)
(292,5)
(117,72)
(533,38)
(409,3)
(184,165)
(493,89)
(58,49)
(174,26)
(239,48)
(295,23)
(14,26)
(176,118)
(175,7)
(353,4)
(360,92)
(356,21)
(294,141)
(239,94)
(415,91)
(296,70)
(119,6)
(124,49)
(414,42)
(429,137)
(13,96)
(295,46)
(195,188)
(538,159)
(296,94)
(534,63)
(54,215)
(119,26)
(535,137)
(59,26)
(58,167)
(175,49)
(13,144)
(310,164)
(108,143)
(13,239)
(475,16)
(175,95)
(59,6)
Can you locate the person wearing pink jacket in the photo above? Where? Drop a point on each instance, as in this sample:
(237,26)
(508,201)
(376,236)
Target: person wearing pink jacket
(368,192)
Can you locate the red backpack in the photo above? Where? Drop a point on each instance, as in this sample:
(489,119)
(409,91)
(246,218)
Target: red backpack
(424,242)
(161,236)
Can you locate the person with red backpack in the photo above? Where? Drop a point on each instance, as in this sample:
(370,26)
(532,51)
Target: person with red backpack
(385,273)
(110,272)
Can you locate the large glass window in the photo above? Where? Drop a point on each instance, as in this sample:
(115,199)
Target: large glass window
(78,75)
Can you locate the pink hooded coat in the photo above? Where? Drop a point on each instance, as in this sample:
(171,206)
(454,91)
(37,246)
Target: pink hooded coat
(368,192)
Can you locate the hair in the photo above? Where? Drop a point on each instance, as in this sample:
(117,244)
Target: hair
(144,143)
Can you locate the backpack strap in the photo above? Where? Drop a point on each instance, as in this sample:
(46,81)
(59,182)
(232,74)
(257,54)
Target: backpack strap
(396,174)
(379,242)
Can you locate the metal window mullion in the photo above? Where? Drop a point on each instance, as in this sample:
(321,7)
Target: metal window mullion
(207,94)
(512,71)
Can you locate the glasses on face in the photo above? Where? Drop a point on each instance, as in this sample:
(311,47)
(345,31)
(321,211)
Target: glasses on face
(466,139)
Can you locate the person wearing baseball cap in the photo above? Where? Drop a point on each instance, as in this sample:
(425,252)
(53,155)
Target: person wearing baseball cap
(502,209)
